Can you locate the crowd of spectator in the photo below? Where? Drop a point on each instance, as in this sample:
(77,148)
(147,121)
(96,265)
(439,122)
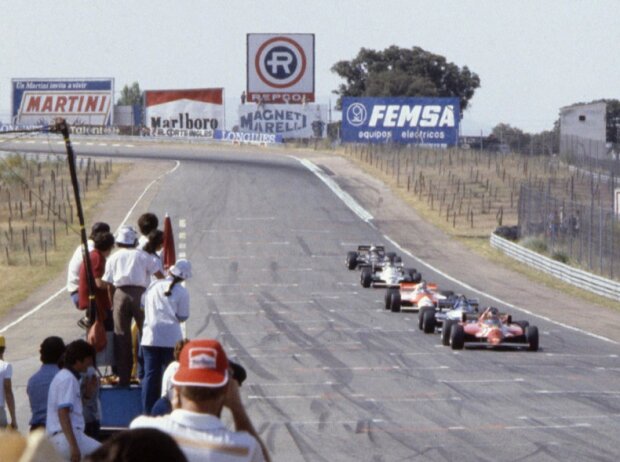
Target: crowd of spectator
(185,384)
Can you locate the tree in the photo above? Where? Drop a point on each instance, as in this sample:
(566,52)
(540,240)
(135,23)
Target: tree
(514,137)
(399,71)
(131,96)
(613,120)
(545,142)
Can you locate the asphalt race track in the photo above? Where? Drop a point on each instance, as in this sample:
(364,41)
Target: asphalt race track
(332,375)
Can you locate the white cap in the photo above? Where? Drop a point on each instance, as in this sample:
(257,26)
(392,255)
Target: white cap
(182,269)
(126,235)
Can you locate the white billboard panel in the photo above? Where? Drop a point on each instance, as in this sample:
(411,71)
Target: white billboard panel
(196,112)
(78,101)
(280,68)
(288,120)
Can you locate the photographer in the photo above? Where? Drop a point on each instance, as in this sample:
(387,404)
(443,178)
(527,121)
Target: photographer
(202,388)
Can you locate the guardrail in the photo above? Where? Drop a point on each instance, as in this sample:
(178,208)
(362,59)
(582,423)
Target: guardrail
(582,279)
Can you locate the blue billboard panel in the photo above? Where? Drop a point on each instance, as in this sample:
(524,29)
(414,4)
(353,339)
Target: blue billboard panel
(425,121)
(78,101)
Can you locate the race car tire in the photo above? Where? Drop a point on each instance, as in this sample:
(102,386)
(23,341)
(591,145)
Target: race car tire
(447,293)
(388,298)
(457,337)
(395,302)
(428,321)
(445,332)
(416,277)
(352,260)
(366,277)
(390,256)
(531,337)
(421,316)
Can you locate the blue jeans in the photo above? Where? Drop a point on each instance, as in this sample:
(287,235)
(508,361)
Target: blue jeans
(161,407)
(75,299)
(156,359)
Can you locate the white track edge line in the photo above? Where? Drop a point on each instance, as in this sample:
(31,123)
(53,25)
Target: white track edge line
(336,189)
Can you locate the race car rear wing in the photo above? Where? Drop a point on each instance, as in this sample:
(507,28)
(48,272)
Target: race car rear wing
(380,248)
(506,318)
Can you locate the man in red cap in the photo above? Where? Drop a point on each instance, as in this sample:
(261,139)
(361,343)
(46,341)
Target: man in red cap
(202,388)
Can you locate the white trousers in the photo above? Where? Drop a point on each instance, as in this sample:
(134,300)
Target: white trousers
(85,443)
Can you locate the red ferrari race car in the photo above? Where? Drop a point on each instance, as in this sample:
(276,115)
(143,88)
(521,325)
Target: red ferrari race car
(490,329)
(412,295)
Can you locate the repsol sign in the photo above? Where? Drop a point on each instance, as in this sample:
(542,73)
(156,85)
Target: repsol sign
(184,122)
(429,121)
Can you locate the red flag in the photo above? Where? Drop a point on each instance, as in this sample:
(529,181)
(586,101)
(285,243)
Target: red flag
(168,255)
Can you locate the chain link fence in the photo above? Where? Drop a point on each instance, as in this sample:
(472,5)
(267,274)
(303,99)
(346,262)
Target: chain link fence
(577,221)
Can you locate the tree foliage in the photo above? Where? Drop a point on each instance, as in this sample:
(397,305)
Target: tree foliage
(131,95)
(545,142)
(399,71)
(613,120)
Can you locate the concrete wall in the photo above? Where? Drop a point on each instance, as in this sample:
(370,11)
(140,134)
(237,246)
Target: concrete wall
(586,121)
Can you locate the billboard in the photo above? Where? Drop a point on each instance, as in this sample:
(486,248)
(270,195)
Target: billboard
(78,101)
(288,120)
(425,121)
(280,68)
(195,112)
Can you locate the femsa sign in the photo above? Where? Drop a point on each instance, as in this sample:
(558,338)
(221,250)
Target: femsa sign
(426,121)
(78,101)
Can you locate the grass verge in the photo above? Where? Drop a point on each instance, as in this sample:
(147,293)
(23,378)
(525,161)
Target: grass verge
(21,280)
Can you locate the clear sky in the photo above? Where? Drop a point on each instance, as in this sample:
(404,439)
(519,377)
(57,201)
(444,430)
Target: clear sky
(532,56)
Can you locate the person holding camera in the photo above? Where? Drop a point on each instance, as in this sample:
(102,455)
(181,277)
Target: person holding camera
(203,385)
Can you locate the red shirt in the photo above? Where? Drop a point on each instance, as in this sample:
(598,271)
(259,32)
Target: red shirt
(97,263)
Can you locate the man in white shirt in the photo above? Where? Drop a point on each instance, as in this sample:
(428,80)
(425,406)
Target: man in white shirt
(201,390)
(126,271)
(65,419)
(73,270)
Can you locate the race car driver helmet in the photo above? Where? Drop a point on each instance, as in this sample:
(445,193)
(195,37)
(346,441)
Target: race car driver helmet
(425,302)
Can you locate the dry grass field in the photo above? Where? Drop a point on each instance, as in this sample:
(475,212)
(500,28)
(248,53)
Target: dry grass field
(469,193)
(38,221)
